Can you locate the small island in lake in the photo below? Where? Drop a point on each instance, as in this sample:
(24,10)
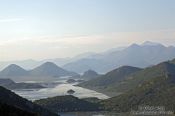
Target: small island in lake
(70,91)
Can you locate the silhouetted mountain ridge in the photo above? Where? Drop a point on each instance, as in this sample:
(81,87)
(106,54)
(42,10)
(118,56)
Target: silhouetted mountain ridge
(11,99)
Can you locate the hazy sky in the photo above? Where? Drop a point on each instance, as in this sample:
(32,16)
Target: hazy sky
(41,29)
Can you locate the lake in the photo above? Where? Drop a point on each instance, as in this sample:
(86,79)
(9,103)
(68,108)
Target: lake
(58,90)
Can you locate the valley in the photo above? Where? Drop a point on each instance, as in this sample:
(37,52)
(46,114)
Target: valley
(87,57)
(119,92)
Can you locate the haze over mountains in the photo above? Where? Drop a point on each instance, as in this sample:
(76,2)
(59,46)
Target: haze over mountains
(47,69)
(127,85)
(143,55)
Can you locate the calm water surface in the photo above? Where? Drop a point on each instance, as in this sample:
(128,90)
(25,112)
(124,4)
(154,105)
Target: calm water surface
(59,90)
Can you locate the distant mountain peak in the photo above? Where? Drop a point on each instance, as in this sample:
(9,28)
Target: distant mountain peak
(13,67)
(149,43)
(50,69)
(90,72)
(47,65)
(13,70)
(134,45)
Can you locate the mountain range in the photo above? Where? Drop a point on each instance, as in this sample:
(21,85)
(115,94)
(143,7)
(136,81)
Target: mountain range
(126,78)
(47,69)
(151,86)
(153,89)
(144,55)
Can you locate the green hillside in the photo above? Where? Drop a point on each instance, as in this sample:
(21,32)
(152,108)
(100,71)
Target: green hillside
(137,79)
(102,83)
(124,79)
(159,91)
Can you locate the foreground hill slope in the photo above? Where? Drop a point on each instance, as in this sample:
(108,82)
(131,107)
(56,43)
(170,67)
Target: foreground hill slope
(11,99)
(8,110)
(155,92)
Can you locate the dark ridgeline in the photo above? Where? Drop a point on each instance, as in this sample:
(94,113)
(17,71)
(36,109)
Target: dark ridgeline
(8,110)
(67,103)
(14,105)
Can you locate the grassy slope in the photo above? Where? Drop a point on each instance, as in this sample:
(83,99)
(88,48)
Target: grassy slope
(159,91)
(162,69)
(130,81)
(102,83)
